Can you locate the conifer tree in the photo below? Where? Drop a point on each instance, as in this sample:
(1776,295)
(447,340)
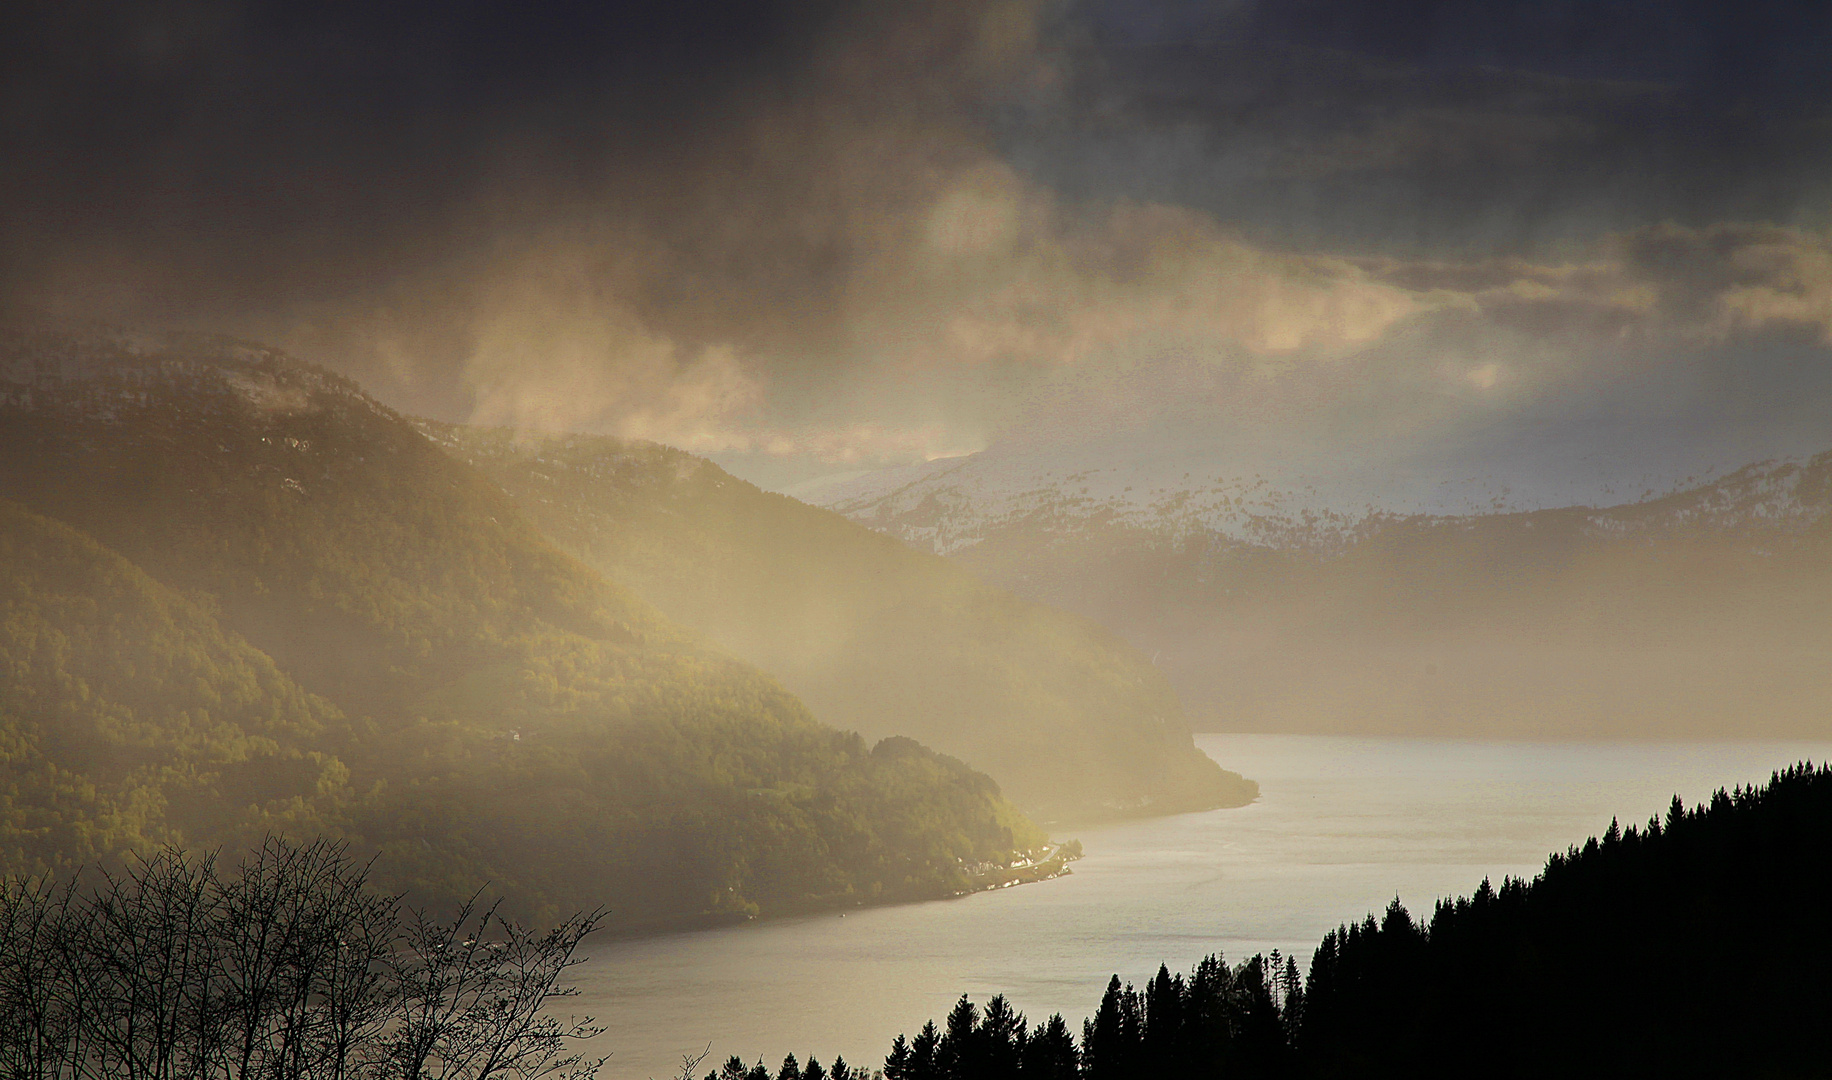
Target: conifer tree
(1162,1029)
(925,1054)
(955,1057)
(897,1063)
(999,1043)
(1105,1053)
(1049,1053)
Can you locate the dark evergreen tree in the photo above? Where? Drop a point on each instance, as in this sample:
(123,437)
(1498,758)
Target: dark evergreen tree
(925,1054)
(1049,1053)
(1290,997)
(955,1056)
(999,1042)
(897,1062)
(1161,1032)
(1209,1016)
(1105,1054)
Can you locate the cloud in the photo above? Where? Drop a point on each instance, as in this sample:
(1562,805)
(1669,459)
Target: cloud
(548,343)
(1065,289)
(1736,276)
(866,442)
(865,233)
(1699,346)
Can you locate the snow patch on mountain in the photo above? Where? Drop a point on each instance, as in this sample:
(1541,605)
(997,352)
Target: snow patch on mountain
(1168,494)
(1778,497)
(100,372)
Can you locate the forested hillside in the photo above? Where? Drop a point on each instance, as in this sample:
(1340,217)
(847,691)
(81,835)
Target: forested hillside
(874,636)
(242,593)
(131,719)
(1692,946)
(1594,965)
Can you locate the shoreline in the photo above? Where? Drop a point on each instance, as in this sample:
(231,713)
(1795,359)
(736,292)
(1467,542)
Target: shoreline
(1052,865)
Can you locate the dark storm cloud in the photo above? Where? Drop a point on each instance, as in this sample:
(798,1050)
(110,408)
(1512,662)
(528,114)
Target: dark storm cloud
(1440,126)
(881,231)
(366,181)
(1765,50)
(1759,48)
(237,138)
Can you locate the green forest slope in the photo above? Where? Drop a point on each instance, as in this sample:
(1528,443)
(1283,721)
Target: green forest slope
(130,718)
(285,580)
(1072,722)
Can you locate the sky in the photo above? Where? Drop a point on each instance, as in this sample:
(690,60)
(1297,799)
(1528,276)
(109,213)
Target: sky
(816,237)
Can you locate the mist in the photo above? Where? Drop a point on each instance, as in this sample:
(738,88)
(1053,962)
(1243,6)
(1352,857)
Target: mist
(811,238)
(1230,467)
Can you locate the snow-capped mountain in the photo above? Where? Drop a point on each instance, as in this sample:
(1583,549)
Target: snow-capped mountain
(1765,501)
(1177,491)
(99,372)
(1389,600)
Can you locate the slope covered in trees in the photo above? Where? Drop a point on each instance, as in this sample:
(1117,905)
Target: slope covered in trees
(237,582)
(130,719)
(1600,963)
(1693,946)
(1071,721)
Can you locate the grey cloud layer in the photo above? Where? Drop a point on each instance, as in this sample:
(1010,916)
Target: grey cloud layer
(857,235)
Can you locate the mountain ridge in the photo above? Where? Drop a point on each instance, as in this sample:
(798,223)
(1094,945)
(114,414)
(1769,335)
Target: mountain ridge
(1684,614)
(504,713)
(873,636)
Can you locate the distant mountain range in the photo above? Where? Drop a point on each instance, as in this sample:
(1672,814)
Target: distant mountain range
(1176,484)
(1430,607)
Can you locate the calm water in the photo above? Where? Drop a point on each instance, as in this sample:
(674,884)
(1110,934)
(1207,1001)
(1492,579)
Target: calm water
(1341,827)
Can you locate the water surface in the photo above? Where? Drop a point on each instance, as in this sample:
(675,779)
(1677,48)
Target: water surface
(1341,827)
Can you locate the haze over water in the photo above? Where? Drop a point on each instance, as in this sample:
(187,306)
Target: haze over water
(1342,826)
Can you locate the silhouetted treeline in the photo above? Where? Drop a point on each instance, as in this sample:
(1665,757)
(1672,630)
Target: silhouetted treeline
(791,1069)
(1694,945)
(1217,1020)
(289,969)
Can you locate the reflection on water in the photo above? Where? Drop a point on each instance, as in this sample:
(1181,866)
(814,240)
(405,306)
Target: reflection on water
(1341,827)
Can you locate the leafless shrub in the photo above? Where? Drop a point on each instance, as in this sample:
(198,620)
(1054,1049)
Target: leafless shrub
(290,969)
